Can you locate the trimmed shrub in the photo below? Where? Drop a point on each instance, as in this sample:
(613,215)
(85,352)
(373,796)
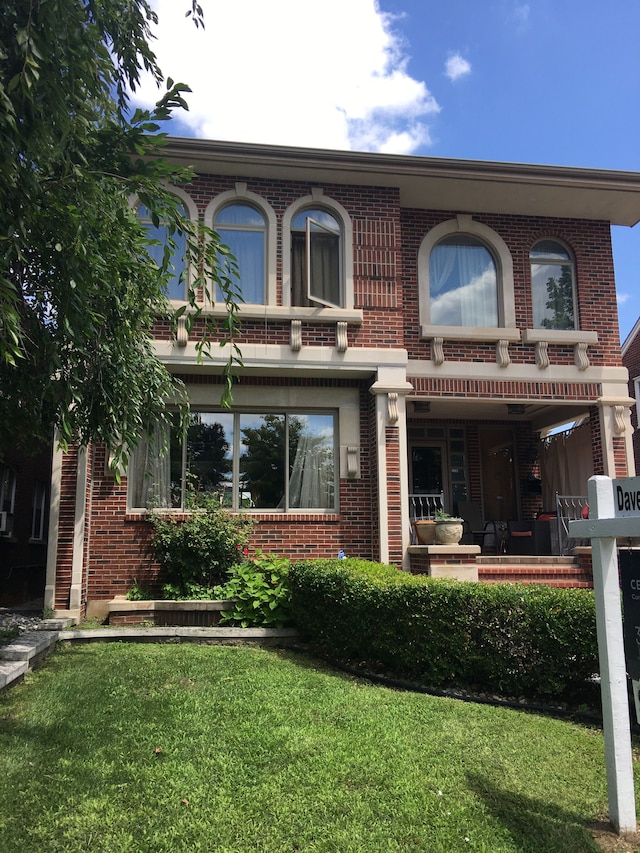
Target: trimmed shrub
(513,639)
(197,552)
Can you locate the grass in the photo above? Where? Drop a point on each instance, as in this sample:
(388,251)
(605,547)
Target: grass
(141,747)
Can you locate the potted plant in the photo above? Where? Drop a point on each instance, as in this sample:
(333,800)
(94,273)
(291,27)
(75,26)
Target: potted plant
(425,530)
(448,528)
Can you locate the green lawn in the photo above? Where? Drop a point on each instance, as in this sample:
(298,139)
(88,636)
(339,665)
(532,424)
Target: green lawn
(142,747)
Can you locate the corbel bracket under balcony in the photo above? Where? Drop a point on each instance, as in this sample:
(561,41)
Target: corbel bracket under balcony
(502,337)
(579,340)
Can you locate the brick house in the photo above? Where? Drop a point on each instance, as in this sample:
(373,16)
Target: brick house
(411,325)
(631,360)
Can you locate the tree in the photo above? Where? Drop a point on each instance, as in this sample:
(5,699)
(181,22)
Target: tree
(79,292)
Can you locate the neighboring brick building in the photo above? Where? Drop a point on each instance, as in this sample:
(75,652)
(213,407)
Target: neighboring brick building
(410,325)
(631,360)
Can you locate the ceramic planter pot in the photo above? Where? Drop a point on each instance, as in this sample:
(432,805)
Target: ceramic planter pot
(425,531)
(448,531)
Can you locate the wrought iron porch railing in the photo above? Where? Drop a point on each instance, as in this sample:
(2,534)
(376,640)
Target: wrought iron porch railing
(569,508)
(425,505)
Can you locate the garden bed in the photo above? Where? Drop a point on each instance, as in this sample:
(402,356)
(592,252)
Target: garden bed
(200,613)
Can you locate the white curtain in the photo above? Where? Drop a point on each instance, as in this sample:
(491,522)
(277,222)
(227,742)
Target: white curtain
(311,484)
(463,286)
(150,471)
(566,463)
(249,251)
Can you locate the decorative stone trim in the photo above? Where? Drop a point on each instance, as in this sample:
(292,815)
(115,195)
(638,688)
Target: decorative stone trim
(503,359)
(352,461)
(437,351)
(578,339)
(620,426)
(182,336)
(580,355)
(296,335)
(342,341)
(392,408)
(542,354)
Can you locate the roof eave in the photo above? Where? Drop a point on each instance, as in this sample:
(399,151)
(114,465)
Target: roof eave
(428,182)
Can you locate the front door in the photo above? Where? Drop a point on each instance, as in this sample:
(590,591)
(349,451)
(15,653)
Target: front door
(499,495)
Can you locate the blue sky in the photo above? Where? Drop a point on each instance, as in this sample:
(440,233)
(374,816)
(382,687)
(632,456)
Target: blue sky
(548,81)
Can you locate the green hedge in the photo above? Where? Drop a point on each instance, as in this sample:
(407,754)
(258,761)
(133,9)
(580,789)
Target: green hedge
(514,639)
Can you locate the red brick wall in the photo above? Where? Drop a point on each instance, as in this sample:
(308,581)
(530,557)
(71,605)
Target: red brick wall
(386,243)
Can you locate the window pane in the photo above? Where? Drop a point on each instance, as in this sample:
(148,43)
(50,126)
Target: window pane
(311,462)
(262,460)
(240,214)
(319,256)
(322,217)
(463,283)
(176,283)
(248,248)
(209,449)
(324,260)
(551,250)
(155,471)
(552,296)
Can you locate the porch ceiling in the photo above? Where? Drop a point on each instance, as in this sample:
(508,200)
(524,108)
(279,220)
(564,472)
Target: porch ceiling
(541,416)
(430,182)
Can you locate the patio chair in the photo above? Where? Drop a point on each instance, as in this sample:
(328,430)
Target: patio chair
(476,531)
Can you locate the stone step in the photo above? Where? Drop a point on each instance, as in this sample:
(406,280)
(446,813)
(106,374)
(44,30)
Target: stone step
(561,575)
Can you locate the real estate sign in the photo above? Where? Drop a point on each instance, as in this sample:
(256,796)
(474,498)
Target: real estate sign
(626,497)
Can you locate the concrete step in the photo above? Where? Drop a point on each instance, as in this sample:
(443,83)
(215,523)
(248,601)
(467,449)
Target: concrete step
(559,575)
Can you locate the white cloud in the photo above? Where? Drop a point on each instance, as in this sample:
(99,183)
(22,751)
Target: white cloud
(456,67)
(521,16)
(623,297)
(286,72)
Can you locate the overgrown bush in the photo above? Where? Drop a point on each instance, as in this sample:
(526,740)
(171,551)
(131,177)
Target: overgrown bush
(260,592)
(196,553)
(513,639)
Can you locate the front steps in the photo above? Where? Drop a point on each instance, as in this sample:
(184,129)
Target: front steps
(552,571)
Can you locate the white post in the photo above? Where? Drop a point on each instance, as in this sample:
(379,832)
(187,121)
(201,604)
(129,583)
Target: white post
(615,704)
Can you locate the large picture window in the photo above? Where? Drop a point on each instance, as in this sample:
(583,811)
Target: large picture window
(316,259)
(276,461)
(552,286)
(463,283)
(242,227)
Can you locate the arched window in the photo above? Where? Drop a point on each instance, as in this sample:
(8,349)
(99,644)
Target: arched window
(177,283)
(316,262)
(465,276)
(243,228)
(463,283)
(553,292)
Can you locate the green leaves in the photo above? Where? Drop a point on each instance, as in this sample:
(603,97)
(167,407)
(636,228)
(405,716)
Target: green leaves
(260,593)
(79,294)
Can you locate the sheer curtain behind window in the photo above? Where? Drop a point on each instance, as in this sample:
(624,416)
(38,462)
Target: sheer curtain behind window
(311,481)
(150,472)
(463,283)
(243,229)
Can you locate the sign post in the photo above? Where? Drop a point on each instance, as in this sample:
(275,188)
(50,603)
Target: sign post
(611,515)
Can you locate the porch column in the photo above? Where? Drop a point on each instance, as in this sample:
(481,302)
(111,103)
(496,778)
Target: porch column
(393,483)
(77,569)
(616,435)
(54,526)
